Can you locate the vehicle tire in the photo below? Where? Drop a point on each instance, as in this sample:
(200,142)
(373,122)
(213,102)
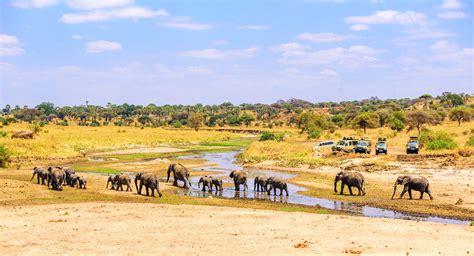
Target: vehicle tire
(376,153)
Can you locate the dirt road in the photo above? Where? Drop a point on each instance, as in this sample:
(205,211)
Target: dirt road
(130,228)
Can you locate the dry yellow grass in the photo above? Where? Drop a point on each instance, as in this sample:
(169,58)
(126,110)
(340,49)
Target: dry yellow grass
(71,141)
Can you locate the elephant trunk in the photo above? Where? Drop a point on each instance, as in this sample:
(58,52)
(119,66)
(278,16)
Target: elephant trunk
(33,176)
(335,184)
(170,169)
(136,183)
(200,181)
(394,190)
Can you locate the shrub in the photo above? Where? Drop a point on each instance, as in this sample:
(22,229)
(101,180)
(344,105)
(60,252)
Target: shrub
(272,136)
(314,134)
(36,127)
(3,121)
(95,123)
(4,156)
(62,123)
(470,141)
(3,134)
(176,124)
(437,140)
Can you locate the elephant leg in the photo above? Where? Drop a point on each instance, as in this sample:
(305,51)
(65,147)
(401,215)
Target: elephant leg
(360,192)
(175,182)
(405,189)
(38,179)
(429,193)
(246,187)
(409,193)
(237,187)
(153,192)
(286,190)
(342,188)
(350,190)
(147,194)
(281,191)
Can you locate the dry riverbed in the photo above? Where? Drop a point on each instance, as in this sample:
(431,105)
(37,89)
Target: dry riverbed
(130,228)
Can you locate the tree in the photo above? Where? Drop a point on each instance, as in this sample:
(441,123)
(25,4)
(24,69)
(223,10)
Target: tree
(384,116)
(365,120)
(195,120)
(144,120)
(418,118)
(247,119)
(460,114)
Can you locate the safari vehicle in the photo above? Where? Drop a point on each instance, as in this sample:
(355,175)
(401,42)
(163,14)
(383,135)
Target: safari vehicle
(363,146)
(324,144)
(413,146)
(381,146)
(347,145)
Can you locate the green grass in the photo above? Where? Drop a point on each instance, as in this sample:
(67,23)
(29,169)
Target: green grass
(96,169)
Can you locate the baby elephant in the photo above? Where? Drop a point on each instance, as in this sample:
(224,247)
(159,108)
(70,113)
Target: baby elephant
(351,179)
(217,182)
(274,183)
(412,183)
(111,180)
(206,182)
(259,183)
(80,182)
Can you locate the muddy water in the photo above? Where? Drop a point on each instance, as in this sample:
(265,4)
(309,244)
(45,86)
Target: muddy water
(226,163)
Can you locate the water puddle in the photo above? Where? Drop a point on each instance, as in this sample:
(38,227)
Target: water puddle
(226,163)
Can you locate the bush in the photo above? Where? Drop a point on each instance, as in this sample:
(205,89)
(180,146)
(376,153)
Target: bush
(3,134)
(3,121)
(36,127)
(437,140)
(314,134)
(95,123)
(176,124)
(4,156)
(272,136)
(62,123)
(470,141)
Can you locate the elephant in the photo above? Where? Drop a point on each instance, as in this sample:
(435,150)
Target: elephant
(412,183)
(120,180)
(40,174)
(206,182)
(149,180)
(81,182)
(351,179)
(111,180)
(69,172)
(274,183)
(179,173)
(56,177)
(72,181)
(259,183)
(217,182)
(240,178)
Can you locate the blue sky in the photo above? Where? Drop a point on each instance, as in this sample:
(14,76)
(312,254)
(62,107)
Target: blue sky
(186,52)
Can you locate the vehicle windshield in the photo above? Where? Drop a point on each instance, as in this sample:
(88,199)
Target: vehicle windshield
(362,143)
(341,143)
(381,144)
(412,143)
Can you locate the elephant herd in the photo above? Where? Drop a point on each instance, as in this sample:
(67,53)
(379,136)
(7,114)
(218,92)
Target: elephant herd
(409,183)
(58,176)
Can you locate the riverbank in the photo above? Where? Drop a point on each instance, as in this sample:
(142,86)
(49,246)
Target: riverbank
(187,229)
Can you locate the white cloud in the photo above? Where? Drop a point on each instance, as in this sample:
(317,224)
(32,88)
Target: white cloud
(216,54)
(10,46)
(351,57)
(33,3)
(102,46)
(328,72)
(254,27)
(450,52)
(451,4)
(198,70)
(120,13)
(75,36)
(452,15)
(388,17)
(359,27)
(323,37)
(97,4)
(184,23)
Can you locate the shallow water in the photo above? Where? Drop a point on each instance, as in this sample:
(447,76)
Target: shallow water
(226,163)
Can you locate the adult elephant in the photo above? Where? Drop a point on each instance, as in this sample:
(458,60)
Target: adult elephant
(350,179)
(276,183)
(56,177)
(206,181)
(259,183)
(150,181)
(240,178)
(410,183)
(40,174)
(120,180)
(180,172)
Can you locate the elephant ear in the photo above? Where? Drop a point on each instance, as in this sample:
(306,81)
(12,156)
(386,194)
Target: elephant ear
(405,180)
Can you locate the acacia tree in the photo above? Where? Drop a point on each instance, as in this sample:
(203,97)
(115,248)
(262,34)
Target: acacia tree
(365,120)
(247,119)
(460,114)
(195,120)
(418,118)
(384,116)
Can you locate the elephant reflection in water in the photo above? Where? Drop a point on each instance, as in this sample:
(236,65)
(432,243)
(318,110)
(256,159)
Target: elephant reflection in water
(243,195)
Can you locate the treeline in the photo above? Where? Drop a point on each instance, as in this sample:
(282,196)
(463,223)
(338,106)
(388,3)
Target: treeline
(312,118)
